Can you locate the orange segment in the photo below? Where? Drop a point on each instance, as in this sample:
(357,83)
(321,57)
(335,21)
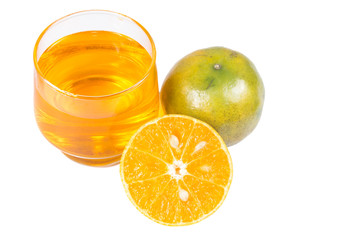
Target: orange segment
(173,130)
(189,210)
(176,170)
(202,141)
(165,207)
(143,166)
(208,194)
(152,141)
(214,168)
(144,193)
(176,205)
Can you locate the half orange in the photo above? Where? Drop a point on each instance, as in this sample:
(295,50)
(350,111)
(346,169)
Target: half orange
(176,170)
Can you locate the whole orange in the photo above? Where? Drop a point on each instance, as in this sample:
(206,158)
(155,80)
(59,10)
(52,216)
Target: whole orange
(219,86)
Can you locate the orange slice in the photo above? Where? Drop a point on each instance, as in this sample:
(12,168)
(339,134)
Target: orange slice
(176,170)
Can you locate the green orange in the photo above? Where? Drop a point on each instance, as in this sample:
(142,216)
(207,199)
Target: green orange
(219,86)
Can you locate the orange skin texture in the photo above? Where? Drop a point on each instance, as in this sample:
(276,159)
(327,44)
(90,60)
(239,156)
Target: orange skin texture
(219,86)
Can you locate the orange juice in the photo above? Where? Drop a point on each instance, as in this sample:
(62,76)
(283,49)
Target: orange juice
(100,88)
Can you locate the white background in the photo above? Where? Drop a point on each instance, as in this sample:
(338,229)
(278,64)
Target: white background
(297,176)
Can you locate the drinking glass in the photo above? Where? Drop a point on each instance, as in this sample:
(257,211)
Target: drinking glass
(95,84)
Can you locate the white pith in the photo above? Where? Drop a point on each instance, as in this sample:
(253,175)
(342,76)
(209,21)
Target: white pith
(177,170)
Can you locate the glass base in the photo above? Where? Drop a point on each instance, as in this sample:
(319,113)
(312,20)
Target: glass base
(96,162)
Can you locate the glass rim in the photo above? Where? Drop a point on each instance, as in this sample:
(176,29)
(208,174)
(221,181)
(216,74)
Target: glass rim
(38,70)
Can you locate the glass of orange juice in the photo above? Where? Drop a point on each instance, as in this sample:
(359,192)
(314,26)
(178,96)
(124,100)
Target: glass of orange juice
(95,84)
